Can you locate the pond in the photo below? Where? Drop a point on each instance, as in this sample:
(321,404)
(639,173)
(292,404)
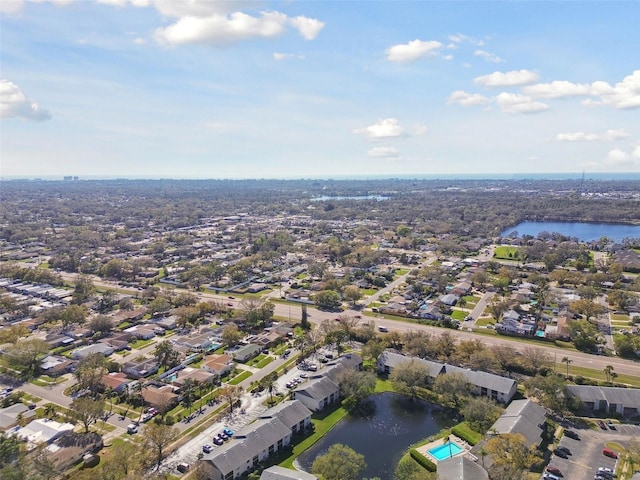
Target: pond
(384,436)
(583,231)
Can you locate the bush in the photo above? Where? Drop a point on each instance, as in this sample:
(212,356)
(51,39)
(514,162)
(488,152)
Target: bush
(422,460)
(465,432)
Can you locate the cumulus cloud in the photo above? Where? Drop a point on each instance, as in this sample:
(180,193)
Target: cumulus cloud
(557,89)
(14,103)
(385,128)
(467,99)
(618,157)
(419,130)
(308,27)
(623,95)
(516,103)
(388,152)
(488,56)
(415,49)
(577,137)
(507,79)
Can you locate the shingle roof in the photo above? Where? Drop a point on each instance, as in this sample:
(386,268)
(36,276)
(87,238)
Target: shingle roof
(460,468)
(291,413)
(484,379)
(280,473)
(392,360)
(629,397)
(317,389)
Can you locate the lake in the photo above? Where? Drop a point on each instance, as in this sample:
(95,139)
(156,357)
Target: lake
(581,230)
(384,436)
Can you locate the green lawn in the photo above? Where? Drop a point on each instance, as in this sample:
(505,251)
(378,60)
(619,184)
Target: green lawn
(264,362)
(621,317)
(505,252)
(483,322)
(368,291)
(46,381)
(471,299)
(459,315)
(599,375)
(239,378)
(139,344)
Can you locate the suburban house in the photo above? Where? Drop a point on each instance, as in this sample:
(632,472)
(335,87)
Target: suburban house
(317,393)
(54,366)
(84,352)
(161,398)
(217,364)
(524,417)
(141,368)
(280,473)
(256,442)
(43,430)
(244,352)
(195,374)
(609,400)
(141,332)
(9,415)
(460,467)
(501,389)
(116,381)
(198,342)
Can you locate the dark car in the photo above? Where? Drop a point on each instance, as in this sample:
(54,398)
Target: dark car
(554,470)
(602,425)
(565,450)
(572,434)
(560,453)
(183,467)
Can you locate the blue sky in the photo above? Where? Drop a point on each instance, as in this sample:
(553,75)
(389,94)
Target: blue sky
(249,89)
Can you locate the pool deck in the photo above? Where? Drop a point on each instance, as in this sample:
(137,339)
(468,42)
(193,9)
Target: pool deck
(424,449)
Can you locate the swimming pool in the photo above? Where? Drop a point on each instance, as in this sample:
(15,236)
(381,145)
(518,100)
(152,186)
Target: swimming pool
(445,451)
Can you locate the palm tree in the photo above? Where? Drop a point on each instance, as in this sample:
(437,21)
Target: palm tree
(608,371)
(50,411)
(137,391)
(447,440)
(269,382)
(567,361)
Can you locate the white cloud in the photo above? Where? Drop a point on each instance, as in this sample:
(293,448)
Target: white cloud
(577,137)
(636,152)
(467,99)
(516,103)
(388,152)
(14,103)
(386,128)
(413,50)
(461,38)
(447,57)
(278,56)
(507,79)
(618,157)
(308,27)
(557,89)
(488,56)
(624,95)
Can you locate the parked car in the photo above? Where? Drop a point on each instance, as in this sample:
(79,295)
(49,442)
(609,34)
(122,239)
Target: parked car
(131,429)
(183,467)
(611,425)
(550,476)
(554,470)
(228,431)
(383,329)
(206,448)
(610,453)
(565,450)
(560,453)
(572,434)
(605,470)
(218,440)
(602,425)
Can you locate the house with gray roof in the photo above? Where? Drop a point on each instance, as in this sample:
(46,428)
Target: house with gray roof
(524,417)
(496,387)
(610,400)
(256,442)
(317,393)
(389,360)
(84,352)
(244,352)
(280,473)
(295,416)
(460,468)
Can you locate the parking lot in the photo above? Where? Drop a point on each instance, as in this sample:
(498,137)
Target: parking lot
(586,453)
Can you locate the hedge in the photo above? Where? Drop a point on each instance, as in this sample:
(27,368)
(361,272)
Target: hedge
(466,433)
(422,460)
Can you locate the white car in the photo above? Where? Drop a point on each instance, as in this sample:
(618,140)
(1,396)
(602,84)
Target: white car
(605,470)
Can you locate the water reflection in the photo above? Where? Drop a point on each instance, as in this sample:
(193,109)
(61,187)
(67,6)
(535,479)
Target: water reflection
(382,432)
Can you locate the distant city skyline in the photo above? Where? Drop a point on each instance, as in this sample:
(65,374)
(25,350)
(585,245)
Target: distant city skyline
(318,89)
